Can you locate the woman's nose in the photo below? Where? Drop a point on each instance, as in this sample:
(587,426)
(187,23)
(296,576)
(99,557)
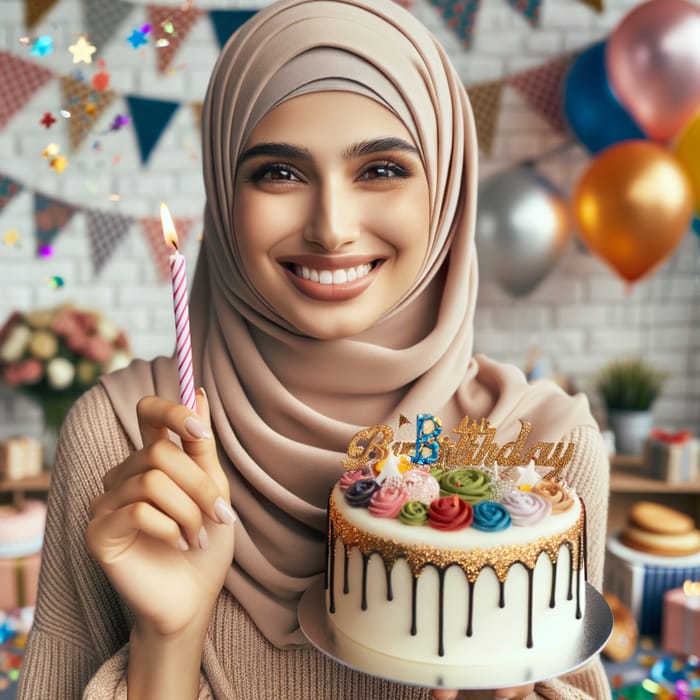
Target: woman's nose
(333,223)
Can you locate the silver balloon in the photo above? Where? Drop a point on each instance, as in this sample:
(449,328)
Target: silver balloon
(522,226)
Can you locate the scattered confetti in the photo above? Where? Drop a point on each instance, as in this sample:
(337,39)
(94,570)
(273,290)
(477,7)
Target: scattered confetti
(78,75)
(114,197)
(59,164)
(82,50)
(118,122)
(162,43)
(51,150)
(45,251)
(100,81)
(137,38)
(56,282)
(145,29)
(11,237)
(47,120)
(25,40)
(90,108)
(43,46)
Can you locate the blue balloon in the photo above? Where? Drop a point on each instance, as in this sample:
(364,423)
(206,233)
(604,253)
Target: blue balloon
(594,113)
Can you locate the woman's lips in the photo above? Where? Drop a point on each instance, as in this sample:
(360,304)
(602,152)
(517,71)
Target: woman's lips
(331,280)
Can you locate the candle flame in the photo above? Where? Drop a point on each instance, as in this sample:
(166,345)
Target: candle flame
(169,233)
(691,588)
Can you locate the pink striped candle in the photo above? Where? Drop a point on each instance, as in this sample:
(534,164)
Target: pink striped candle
(183,341)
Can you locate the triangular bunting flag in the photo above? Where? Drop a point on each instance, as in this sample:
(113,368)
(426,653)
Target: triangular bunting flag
(34,10)
(460,16)
(486,102)
(597,5)
(405,3)
(102,19)
(160,250)
(8,189)
(529,9)
(85,105)
(150,119)
(50,216)
(170,26)
(105,232)
(542,89)
(20,79)
(225,22)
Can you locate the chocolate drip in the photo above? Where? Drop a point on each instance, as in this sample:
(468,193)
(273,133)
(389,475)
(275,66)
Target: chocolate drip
(569,592)
(365,562)
(530,576)
(501,594)
(578,578)
(414,596)
(470,614)
(389,589)
(330,567)
(441,608)
(346,567)
(554,585)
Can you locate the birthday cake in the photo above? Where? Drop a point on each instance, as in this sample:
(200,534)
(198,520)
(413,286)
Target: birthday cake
(455,553)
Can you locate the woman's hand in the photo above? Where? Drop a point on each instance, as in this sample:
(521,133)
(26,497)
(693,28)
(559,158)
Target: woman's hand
(515,693)
(162,530)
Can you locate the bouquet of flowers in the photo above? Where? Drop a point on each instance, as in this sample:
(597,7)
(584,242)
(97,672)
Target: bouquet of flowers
(54,355)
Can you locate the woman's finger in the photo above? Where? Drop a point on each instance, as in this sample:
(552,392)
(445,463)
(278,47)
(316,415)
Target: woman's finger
(110,535)
(158,489)
(444,694)
(515,693)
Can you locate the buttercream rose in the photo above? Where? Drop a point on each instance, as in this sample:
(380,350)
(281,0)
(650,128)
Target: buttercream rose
(387,502)
(525,507)
(450,513)
(360,492)
(413,513)
(490,516)
(559,498)
(421,486)
(350,477)
(471,485)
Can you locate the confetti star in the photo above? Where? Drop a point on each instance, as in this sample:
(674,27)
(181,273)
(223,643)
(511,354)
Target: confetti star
(118,122)
(137,38)
(528,476)
(82,51)
(51,150)
(43,46)
(59,164)
(56,282)
(11,237)
(47,120)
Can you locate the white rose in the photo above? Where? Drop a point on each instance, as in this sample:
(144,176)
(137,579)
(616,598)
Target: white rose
(119,360)
(60,373)
(107,329)
(15,344)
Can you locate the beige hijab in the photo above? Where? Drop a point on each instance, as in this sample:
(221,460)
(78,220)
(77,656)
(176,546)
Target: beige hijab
(284,406)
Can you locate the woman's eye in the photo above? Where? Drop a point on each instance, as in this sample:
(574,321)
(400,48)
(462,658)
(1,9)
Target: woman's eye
(384,171)
(275,171)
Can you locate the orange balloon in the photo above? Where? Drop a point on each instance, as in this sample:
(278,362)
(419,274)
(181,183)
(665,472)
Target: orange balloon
(632,206)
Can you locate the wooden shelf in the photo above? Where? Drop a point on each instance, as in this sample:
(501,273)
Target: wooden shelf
(33,483)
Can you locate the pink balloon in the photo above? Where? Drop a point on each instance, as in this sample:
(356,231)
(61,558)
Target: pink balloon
(653,65)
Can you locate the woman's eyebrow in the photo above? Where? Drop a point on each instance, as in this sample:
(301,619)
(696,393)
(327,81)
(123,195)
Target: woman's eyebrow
(389,143)
(278,150)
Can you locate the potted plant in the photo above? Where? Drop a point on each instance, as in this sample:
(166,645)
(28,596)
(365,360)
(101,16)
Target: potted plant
(629,387)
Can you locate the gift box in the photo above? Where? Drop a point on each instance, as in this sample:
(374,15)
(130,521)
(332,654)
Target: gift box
(20,458)
(19,580)
(673,457)
(640,580)
(681,620)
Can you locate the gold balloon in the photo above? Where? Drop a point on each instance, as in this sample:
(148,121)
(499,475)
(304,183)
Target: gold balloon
(632,206)
(688,152)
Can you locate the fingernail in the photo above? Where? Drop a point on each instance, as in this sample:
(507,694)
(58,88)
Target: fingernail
(203,393)
(203,538)
(196,428)
(182,544)
(224,511)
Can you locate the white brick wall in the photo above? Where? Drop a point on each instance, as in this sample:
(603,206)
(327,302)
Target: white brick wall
(579,317)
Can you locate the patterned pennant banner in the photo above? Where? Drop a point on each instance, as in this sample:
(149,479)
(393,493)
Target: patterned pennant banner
(50,217)
(225,22)
(170,27)
(102,18)
(85,105)
(105,232)
(460,16)
(8,189)
(160,250)
(529,9)
(19,79)
(150,118)
(486,104)
(34,10)
(542,88)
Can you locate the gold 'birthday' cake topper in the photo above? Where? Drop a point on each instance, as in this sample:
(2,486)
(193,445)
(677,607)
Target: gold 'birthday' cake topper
(476,446)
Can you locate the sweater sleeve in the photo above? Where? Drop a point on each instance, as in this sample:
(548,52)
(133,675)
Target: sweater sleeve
(78,645)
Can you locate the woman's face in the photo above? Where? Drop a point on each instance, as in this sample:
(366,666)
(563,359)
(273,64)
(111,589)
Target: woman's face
(331,212)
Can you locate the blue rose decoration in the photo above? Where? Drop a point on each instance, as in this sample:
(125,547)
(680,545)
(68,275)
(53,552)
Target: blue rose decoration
(491,516)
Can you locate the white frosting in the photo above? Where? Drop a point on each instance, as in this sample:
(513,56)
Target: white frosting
(498,634)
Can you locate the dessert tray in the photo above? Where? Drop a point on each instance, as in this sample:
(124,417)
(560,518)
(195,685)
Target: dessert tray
(321,633)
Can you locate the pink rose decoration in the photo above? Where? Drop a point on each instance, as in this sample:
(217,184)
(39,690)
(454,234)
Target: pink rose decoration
(387,502)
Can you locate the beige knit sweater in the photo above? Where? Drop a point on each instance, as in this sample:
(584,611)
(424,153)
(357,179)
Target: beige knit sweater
(78,647)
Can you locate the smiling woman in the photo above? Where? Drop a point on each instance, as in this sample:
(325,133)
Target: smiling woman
(332,216)
(335,288)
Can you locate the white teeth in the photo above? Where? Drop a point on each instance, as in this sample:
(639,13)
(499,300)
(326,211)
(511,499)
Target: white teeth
(332,276)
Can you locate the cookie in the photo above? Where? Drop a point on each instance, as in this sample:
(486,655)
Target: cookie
(675,545)
(659,519)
